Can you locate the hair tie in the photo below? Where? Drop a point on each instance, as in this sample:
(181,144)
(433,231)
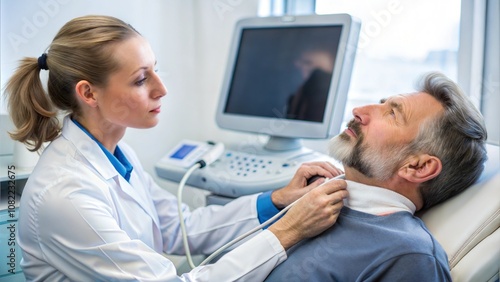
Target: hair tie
(42,62)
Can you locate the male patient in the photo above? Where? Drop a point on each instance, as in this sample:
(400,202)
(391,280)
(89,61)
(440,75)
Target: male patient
(405,154)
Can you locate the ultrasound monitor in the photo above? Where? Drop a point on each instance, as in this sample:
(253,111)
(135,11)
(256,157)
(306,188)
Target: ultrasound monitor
(288,77)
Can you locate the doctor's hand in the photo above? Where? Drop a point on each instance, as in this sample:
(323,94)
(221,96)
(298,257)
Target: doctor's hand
(312,214)
(298,185)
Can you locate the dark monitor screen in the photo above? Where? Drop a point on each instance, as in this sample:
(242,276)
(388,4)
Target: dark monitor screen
(284,72)
(288,77)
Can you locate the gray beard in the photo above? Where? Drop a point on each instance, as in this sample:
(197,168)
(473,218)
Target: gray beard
(377,164)
(342,148)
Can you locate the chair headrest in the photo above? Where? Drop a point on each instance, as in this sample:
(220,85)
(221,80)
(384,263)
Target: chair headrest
(463,221)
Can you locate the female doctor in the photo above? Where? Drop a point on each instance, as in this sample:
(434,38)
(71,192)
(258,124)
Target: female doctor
(89,212)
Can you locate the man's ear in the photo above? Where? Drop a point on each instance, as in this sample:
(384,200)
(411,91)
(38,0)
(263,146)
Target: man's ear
(421,168)
(85,92)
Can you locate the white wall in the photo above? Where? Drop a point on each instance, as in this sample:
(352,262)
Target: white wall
(478,60)
(491,73)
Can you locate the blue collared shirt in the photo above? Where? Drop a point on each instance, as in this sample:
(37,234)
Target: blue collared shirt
(117,159)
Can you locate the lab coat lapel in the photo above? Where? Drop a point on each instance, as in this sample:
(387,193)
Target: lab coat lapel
(93,154)
(136,191)
(88,150)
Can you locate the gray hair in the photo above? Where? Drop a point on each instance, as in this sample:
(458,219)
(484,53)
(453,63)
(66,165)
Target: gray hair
(457,138)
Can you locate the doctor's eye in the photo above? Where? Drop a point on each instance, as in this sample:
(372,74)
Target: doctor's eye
(141,81)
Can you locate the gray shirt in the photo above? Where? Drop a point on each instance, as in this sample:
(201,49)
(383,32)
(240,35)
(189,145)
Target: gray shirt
(367,247)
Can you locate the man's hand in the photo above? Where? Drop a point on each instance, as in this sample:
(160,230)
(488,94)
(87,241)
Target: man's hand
(298,185)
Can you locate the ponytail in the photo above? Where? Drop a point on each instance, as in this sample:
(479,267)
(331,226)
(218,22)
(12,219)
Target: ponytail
(30,107)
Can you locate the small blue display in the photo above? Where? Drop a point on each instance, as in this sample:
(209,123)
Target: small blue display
(183,151)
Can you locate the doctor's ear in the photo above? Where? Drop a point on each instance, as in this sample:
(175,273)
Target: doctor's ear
(421,168)
(85,92)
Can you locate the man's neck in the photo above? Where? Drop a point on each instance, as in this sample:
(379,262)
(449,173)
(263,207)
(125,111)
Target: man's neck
(395,183)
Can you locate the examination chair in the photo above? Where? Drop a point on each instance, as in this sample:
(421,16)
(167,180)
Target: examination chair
(467,226)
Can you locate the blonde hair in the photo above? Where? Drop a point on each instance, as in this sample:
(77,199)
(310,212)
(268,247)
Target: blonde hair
(81,50)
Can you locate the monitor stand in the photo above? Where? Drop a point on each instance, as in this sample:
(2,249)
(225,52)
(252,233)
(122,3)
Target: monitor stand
(277,143)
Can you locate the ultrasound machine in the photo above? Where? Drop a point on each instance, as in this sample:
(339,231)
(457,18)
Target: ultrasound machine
(287,78)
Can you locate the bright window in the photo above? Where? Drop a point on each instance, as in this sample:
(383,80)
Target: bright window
(399,41)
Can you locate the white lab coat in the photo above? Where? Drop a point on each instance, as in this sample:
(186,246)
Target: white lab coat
(81,221)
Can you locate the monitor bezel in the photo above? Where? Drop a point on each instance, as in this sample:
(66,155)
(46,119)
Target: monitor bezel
(339,86)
